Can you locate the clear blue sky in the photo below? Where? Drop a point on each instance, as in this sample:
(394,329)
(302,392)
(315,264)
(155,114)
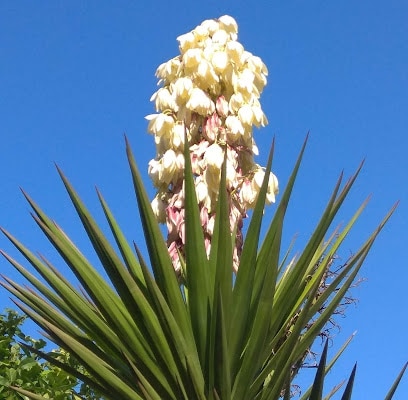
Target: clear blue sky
(76,75)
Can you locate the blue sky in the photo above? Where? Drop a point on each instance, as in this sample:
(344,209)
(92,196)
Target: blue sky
(75,76)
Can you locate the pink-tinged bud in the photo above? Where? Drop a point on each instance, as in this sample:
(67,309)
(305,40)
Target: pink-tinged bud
(174,255)
(204,216)
(171,222)
(207,244)
(178,197)
(181,229)
(222,106)
(211,126)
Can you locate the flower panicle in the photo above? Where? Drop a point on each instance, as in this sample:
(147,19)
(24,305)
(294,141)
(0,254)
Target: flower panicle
(211,90)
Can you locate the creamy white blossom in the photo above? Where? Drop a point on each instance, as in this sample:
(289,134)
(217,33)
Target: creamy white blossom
(200,102)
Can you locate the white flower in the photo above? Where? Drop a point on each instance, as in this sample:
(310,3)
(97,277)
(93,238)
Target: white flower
(200,33)
(212,179)
(182,88)
(219,61)
(235,51)
(220,37)
(164,100)
(210,25)
(273,189)
(247,195)
(177,137)
(201,190)
(200,102)
(255,149)
(214,157)
(256,65)
(229,25)
(246,115)
(231,177)
(244,83)
(259,118)
(187,41)
(154,171)
(180,163)
(169,166)
(258,179)
(168,70)
(159,209)
(236,102)
(206,75)
(192,58)
(160,124)
(234,126)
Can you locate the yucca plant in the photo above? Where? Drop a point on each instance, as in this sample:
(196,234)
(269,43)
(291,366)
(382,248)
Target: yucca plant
(213,315)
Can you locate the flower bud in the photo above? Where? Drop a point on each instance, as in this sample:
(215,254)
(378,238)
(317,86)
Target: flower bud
(221,106)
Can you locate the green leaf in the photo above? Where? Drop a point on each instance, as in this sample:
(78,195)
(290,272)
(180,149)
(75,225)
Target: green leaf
(243,289)
(394,386)
(197,265)
(159,255)
(330,365)
(317,389)
(349,387)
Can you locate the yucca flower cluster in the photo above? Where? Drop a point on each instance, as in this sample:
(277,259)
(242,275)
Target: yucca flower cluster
(211,93)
